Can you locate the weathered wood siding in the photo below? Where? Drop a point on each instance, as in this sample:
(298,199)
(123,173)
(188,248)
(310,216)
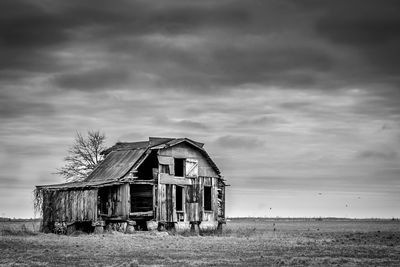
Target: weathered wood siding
(125,201)
(193,187)
(193,208)
(193,202)
(69,206)
(118,198)
(221,199)
(184,150)
(141,198)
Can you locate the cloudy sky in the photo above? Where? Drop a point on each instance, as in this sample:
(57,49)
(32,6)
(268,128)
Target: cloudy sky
(298,102)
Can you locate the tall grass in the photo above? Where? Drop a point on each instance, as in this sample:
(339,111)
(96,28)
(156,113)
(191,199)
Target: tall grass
(20,231)
(19,228)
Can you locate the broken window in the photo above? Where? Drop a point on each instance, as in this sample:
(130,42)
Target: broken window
(207,198)
(164,168)
(179,167)
(179,198)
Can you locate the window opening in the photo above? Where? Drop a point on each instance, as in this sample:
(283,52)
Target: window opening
(103,200)
(179,167)
(207,198)
(165,168)
(179,198)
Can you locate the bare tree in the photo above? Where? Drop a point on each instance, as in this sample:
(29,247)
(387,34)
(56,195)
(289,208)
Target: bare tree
(83,156)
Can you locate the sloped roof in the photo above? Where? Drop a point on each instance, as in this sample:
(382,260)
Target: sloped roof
(116,164)
(125,156)
(82,184)
(126,146)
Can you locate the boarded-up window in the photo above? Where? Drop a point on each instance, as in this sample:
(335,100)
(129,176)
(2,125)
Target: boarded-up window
(192,167)
(179,167)
(207,198)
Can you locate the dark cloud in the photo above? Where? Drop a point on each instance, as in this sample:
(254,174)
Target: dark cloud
(13,108)
(93,79)
(360,23)
(380,155)
(371,28)
(202,45)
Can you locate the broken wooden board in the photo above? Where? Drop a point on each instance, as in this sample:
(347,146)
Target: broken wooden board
(169,179)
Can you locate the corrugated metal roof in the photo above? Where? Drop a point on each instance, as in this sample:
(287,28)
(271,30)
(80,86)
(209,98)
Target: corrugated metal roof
(154,141)
(126,146)
(116,165)
(78,185)
(180,140)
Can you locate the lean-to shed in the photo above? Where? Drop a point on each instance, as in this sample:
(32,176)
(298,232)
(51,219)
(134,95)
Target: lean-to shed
(162,182)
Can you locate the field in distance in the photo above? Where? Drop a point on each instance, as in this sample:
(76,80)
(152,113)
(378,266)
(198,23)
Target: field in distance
(246,241)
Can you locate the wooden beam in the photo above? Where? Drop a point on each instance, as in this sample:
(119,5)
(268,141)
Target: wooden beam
(141,214)
(174,219)
(143,182)
(169,179)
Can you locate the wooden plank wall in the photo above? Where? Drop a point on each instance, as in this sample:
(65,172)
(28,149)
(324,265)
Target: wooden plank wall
(193,187)
(170,179)
(124,191)
(168,204)
(193,203)
(184,150)
(162,203)
(221,199)
(141,198)
(70,205)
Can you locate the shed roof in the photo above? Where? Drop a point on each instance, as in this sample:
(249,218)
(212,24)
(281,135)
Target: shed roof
(116,164)
(124,157)
(83,184)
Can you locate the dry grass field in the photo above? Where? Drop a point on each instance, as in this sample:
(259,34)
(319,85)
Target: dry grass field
(244,242)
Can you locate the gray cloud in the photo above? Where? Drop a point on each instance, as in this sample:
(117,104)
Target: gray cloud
(262,121)
(26,150)
(380,155)
(294,86)
(229,43)
(372,29)
(192,124)
(11,182)
(234,142)
(94,79)
(11,107)
(186,124)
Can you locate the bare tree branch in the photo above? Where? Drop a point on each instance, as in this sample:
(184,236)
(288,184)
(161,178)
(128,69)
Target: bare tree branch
(83,156)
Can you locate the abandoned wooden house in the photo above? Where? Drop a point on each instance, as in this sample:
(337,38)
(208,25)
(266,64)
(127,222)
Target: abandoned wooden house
(160,183)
